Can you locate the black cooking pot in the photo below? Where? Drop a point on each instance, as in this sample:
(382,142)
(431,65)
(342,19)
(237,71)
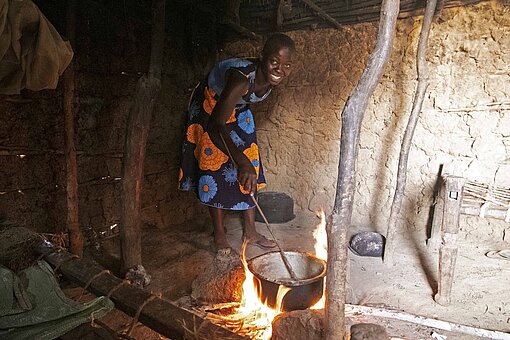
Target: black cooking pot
(278,207)
(269,272)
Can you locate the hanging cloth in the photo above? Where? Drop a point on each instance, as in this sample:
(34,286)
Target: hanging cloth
(32,53)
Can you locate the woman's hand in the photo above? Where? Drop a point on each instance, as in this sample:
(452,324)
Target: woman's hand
(247,176)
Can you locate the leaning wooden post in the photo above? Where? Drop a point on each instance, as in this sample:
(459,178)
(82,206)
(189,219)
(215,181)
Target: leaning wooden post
(73,225)
(340,219)
(449,229)
(419,95)
(139,120)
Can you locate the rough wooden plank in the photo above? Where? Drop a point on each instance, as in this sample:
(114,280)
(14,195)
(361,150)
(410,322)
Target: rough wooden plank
(427,322)
(159,314)
(447,259)
(449,228)
(453,200)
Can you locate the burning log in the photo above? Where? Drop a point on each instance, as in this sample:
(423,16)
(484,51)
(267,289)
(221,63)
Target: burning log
(268,288)
(252,317)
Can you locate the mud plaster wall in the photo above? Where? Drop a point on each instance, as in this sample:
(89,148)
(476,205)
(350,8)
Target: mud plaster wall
(298,125)
(468,58)
(111,53)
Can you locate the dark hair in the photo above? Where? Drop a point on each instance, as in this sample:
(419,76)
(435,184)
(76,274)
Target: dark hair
(275,42)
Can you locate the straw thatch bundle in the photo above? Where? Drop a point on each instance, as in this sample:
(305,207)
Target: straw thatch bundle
(486,200)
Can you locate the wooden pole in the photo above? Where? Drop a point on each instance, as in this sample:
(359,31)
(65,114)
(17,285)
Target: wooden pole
(340,220)
(421,87)
(449,230)
(159,314)
(427,322)
(73,226)
(139,120)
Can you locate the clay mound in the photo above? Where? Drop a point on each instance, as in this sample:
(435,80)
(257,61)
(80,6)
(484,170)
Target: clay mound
(222,281)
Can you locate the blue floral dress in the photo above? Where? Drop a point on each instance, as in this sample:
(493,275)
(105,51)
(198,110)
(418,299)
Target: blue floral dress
(205,169)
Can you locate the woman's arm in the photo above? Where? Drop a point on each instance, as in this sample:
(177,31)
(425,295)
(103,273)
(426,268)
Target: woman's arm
(236,86)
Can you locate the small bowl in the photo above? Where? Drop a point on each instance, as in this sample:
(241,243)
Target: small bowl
(367,243)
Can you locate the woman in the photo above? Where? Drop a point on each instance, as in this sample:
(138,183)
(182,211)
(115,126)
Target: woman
(221,161)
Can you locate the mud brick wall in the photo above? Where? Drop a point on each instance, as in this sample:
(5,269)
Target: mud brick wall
(111,53)
(464,125)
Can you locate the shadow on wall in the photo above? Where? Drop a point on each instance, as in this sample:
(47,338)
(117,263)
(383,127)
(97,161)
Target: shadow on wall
(395,123)
(435,196)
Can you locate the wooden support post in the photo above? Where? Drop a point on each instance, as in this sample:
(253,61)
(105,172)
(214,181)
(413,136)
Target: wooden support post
(449,229)
(321,13)
(73,225)
(160,315)
(340,219)
(137,132)
(419,95)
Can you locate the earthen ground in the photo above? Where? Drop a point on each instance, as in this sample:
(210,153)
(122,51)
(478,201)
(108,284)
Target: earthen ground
(479,294)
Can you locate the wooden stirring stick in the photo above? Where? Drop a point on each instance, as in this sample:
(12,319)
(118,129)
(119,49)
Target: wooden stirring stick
(284,257)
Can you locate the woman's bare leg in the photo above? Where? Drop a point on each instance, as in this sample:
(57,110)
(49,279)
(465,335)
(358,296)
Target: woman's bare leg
(250,232)
(220,235)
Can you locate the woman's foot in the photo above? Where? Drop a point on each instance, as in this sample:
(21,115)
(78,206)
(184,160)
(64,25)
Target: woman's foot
(221,242)
(260,240)
(251,234)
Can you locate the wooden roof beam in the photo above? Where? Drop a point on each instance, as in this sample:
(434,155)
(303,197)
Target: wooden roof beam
(320,12)
(243,31)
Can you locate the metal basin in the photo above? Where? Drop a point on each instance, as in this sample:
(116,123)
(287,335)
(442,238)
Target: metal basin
(269,273)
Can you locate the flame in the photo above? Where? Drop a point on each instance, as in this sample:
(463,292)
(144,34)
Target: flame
(321,251)
(253,310)
(253,315)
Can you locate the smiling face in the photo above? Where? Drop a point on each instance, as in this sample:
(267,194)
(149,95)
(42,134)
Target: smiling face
(277,66)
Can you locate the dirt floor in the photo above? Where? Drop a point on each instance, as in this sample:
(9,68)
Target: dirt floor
(479,295)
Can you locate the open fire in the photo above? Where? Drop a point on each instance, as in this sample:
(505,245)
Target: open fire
(321,251)
(254,317)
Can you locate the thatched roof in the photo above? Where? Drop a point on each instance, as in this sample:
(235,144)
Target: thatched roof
(265,16)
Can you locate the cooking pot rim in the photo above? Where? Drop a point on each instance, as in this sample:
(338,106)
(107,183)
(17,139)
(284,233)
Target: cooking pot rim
(289,282)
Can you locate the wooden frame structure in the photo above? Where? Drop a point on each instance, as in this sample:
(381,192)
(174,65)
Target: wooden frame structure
(161,315)
(458,195)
